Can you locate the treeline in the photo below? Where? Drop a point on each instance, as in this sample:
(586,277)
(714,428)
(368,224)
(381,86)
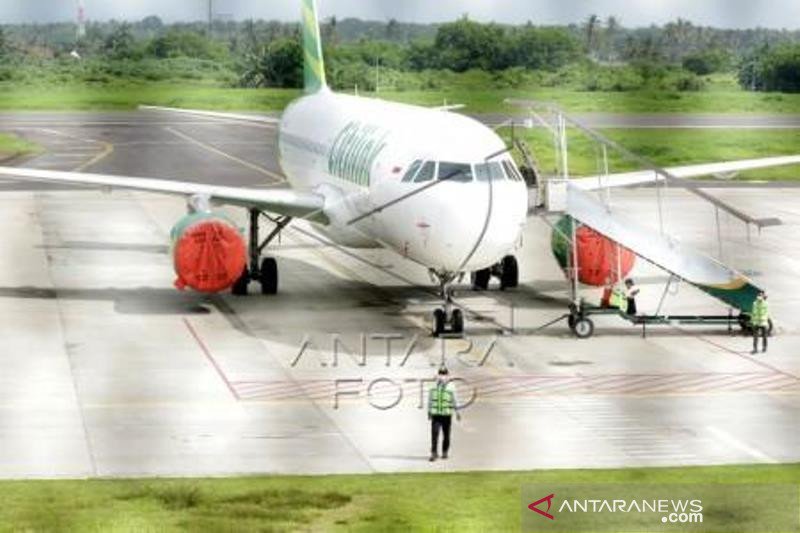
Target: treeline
(599,54)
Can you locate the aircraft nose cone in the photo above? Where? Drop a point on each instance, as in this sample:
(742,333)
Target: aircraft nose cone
(478,227)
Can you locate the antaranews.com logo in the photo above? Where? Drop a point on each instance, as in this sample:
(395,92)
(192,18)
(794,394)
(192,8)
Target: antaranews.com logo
(723,508)
(672,511)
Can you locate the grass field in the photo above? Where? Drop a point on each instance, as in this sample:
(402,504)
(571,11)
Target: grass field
(719,98)
(119,96)
(11,146)
(671,147)
(433,502)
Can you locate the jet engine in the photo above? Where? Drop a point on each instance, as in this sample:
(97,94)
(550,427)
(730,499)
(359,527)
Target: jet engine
(208,251)
(599,258)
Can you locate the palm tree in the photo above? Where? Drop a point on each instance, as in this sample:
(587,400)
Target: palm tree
(612,29)
(591,27)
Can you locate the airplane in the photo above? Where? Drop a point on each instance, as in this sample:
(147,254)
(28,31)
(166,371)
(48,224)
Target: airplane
(436,187)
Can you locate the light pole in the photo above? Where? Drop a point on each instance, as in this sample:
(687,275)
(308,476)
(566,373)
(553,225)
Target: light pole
(210,18)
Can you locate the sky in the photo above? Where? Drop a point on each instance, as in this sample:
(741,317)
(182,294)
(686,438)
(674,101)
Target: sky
(719,13)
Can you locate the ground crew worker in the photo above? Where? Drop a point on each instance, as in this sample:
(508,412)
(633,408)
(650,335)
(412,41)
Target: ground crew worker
(441,406)
(630,293)
(759,321)
(618,300)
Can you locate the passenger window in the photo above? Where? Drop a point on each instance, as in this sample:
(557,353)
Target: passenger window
(412,170)
(492,170)
(426,173)
(455,172)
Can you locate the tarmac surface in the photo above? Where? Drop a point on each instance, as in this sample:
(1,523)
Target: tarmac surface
(107,370)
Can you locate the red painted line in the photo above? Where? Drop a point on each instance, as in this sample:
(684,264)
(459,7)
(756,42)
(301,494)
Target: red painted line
(768,379)
(529,385)
(793,384)
(634,383)
(739,354)
(691,384)
(211,359)
(314,388)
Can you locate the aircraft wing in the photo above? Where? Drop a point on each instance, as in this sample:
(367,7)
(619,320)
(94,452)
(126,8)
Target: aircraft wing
(689,171)
(255,119)
(279,201)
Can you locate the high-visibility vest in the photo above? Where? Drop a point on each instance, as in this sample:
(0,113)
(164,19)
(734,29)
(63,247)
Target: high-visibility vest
(618,300)
(759,317)
(441,401)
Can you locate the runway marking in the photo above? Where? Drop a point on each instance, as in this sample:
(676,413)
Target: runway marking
(521,386)
(210,358)
(733,442)
(32,124)
(108,148)
(226,155)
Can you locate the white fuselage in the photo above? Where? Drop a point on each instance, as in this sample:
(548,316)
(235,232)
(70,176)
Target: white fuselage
(356,151)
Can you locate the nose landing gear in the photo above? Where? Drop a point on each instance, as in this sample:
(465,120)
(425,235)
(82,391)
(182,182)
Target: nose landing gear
(447,321)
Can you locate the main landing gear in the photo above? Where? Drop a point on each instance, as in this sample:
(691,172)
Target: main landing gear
(507,271)
(447,320)
(265,271)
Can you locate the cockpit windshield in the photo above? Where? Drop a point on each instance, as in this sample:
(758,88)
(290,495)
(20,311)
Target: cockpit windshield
(421,171)
(455,172)
(489,171)
(412,170)
(512,171)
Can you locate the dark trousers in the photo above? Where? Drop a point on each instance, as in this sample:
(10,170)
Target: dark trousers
(632,306)
(440,422)
(759,331)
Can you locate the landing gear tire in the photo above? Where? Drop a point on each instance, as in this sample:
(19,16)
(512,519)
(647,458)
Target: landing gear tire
(438,322)
(583,328)
(458,321)
(480,279)
(268,276)
(240,287)
(509,275)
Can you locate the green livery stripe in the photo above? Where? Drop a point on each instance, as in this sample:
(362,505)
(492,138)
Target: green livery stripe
(739,294)
(313,65)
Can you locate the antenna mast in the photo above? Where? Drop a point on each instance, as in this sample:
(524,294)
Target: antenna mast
(81,20)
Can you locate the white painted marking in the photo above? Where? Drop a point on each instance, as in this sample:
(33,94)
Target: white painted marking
(733,442)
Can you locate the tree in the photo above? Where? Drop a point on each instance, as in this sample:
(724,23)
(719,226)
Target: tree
(120,43)
(393,30)
(772,69)
(464,45)
(152,24)
(590,28)
(179,43)
(330,35)
(541,48)
(280,64)
(3,45)
(706,62)
(610,37)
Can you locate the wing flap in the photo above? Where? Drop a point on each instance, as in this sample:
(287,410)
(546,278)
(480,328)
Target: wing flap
(280,201)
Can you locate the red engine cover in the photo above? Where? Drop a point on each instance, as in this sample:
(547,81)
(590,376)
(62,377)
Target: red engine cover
(597,258)
(209,255)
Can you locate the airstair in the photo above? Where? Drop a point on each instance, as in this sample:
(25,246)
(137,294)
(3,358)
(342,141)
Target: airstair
(703,271)
(559,196)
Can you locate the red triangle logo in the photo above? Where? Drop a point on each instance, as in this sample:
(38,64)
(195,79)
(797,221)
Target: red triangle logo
(549,499)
